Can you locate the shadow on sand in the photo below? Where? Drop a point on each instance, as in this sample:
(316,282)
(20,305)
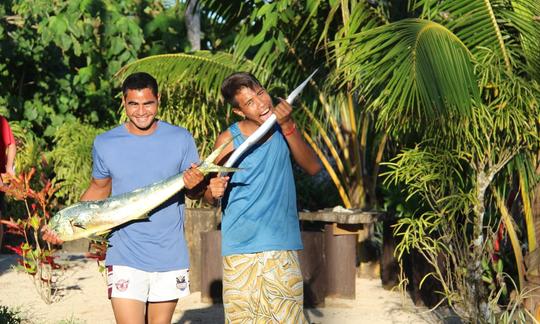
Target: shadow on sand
(211,314)
(7,261)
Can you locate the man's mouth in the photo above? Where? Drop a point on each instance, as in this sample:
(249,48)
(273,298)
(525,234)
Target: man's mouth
(265,114)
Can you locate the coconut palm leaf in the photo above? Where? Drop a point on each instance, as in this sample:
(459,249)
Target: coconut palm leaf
(492,24)
(514,240)
(411,70)
(203,70)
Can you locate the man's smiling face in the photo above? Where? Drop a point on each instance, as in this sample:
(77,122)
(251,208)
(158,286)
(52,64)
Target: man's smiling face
(254,104)
(141,108)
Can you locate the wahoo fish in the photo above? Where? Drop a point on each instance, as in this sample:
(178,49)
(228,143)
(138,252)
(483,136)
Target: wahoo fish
(94,218)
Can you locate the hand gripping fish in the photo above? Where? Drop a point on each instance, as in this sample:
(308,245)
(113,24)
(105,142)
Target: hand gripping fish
(91,218)
(265,127)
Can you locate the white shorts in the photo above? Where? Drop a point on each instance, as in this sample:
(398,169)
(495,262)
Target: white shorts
(131,283)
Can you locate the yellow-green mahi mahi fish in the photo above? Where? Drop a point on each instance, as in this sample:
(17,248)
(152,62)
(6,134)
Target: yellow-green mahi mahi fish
(91,218)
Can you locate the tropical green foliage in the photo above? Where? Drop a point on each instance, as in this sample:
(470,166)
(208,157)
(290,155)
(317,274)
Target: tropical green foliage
(72,159)
(9,315)
(462,84)
(29,147)
(59,57)
(455,86)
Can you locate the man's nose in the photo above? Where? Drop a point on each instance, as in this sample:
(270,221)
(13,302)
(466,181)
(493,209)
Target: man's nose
(259,103)
(141,109)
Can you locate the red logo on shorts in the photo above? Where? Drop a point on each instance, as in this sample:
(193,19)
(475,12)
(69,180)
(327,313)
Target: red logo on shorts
(122,285)
(181,282)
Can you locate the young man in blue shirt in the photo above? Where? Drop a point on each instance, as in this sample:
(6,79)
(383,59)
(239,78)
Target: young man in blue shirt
(147,261)
(262,281)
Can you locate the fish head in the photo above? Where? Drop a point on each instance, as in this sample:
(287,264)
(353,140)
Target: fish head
(62,225)
(68,223)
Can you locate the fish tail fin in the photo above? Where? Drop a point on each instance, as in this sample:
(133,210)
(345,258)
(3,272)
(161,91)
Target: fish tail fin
(208,164)
(213,156)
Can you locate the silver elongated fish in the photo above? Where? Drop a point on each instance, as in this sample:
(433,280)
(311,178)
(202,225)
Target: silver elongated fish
(89,218)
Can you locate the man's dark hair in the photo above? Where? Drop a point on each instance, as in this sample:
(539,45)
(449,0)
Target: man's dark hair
(236,81)
(139,81)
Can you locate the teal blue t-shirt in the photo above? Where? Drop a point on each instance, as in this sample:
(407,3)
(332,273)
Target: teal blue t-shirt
(132,162)
(259,206)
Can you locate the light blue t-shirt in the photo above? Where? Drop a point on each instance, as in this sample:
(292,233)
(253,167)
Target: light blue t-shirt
(259,206)
(134,161)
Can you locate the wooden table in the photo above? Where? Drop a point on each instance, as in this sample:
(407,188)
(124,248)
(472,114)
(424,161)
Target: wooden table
(328,260)
(342,233)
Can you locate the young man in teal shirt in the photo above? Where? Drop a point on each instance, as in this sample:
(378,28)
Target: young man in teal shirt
(262,281)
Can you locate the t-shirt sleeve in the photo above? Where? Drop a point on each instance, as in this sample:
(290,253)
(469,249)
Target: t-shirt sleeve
(99,169)
(191,156)
(7,134)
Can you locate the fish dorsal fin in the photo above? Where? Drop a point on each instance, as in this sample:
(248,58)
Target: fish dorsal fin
(98,238)
(103,233)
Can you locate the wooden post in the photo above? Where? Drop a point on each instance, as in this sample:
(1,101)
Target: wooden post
(197,221)
(211,267)
(313,266)
(340,251)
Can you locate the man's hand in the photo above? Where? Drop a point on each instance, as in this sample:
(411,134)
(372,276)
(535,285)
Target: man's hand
(217,186)
(192,177)
(50,236)
(283,113)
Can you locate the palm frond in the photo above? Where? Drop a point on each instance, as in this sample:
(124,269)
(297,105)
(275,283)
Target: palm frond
(514,240)
(525,17)
(491,24)
(203,70)
(414,71)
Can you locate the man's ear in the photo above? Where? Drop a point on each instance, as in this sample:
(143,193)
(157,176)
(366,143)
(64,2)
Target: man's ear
(239,112)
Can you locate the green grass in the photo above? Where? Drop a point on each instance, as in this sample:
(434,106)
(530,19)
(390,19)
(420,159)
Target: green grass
(10,316)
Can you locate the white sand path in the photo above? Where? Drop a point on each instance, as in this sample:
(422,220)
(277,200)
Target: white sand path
(82,298)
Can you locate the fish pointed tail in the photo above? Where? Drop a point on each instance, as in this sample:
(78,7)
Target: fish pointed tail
(213,156)
(208,164)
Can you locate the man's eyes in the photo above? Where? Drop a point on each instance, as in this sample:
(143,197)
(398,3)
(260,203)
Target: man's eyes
(146,104)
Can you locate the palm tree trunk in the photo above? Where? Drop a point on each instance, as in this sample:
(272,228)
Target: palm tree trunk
(193,24)
(476,290)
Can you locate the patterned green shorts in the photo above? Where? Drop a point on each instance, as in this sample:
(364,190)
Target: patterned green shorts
(263,287)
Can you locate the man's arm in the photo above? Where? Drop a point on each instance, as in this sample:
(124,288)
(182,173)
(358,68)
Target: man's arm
(99,189)
(11,151)
(302,153)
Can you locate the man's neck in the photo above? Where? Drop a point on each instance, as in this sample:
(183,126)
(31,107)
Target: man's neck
(132,129)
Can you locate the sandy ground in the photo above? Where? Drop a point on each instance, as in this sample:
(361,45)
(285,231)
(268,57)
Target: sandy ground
(81,298)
